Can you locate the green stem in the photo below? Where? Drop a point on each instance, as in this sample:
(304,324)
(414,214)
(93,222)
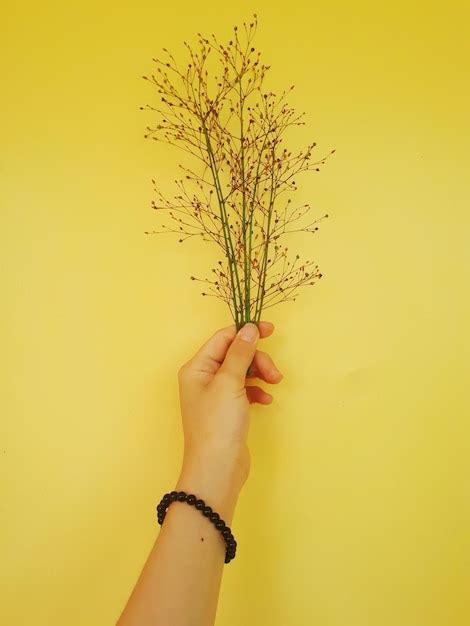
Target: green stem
(245,255)
(261,285)
(252,208)
(226,231)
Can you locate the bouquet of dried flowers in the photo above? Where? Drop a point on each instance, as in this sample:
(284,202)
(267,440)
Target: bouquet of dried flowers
(238,195)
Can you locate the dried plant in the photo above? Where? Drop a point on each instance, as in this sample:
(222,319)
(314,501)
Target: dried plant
(236,197)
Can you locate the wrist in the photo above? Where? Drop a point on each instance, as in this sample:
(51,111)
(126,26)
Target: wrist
(214,476)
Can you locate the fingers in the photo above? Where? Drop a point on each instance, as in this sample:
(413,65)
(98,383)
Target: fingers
(209,357)
(265,329)
(240,354)
(263,367)
(212,354)
(256,394)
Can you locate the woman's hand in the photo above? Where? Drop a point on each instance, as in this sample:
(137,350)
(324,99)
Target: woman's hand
(215,399)
(180,580)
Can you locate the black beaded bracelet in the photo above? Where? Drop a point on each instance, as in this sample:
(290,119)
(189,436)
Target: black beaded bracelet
(211,515)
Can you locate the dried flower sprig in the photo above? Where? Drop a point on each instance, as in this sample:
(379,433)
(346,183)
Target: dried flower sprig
(235,199)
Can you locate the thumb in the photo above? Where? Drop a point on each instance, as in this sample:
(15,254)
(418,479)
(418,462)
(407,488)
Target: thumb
(241,353)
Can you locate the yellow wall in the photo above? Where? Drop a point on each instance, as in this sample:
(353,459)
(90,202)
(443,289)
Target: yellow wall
(357,509)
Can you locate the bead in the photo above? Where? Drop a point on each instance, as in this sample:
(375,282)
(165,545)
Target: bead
(213,516)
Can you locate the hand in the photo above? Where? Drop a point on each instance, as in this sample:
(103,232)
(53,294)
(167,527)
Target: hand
(215,399)
(181,578)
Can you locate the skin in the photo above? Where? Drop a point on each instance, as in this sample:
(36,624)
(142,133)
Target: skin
(180,582)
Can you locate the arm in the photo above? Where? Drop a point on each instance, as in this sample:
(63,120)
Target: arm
(180,581)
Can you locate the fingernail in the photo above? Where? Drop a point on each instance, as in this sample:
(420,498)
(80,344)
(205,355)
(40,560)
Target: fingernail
(249,333)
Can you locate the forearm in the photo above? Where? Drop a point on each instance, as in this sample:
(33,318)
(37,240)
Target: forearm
(180,581)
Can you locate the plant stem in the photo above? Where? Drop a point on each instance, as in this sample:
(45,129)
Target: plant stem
(261,285)
(247,259)
(226,229)
(252,208)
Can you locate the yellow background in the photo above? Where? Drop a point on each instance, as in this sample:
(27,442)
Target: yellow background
(356,511)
